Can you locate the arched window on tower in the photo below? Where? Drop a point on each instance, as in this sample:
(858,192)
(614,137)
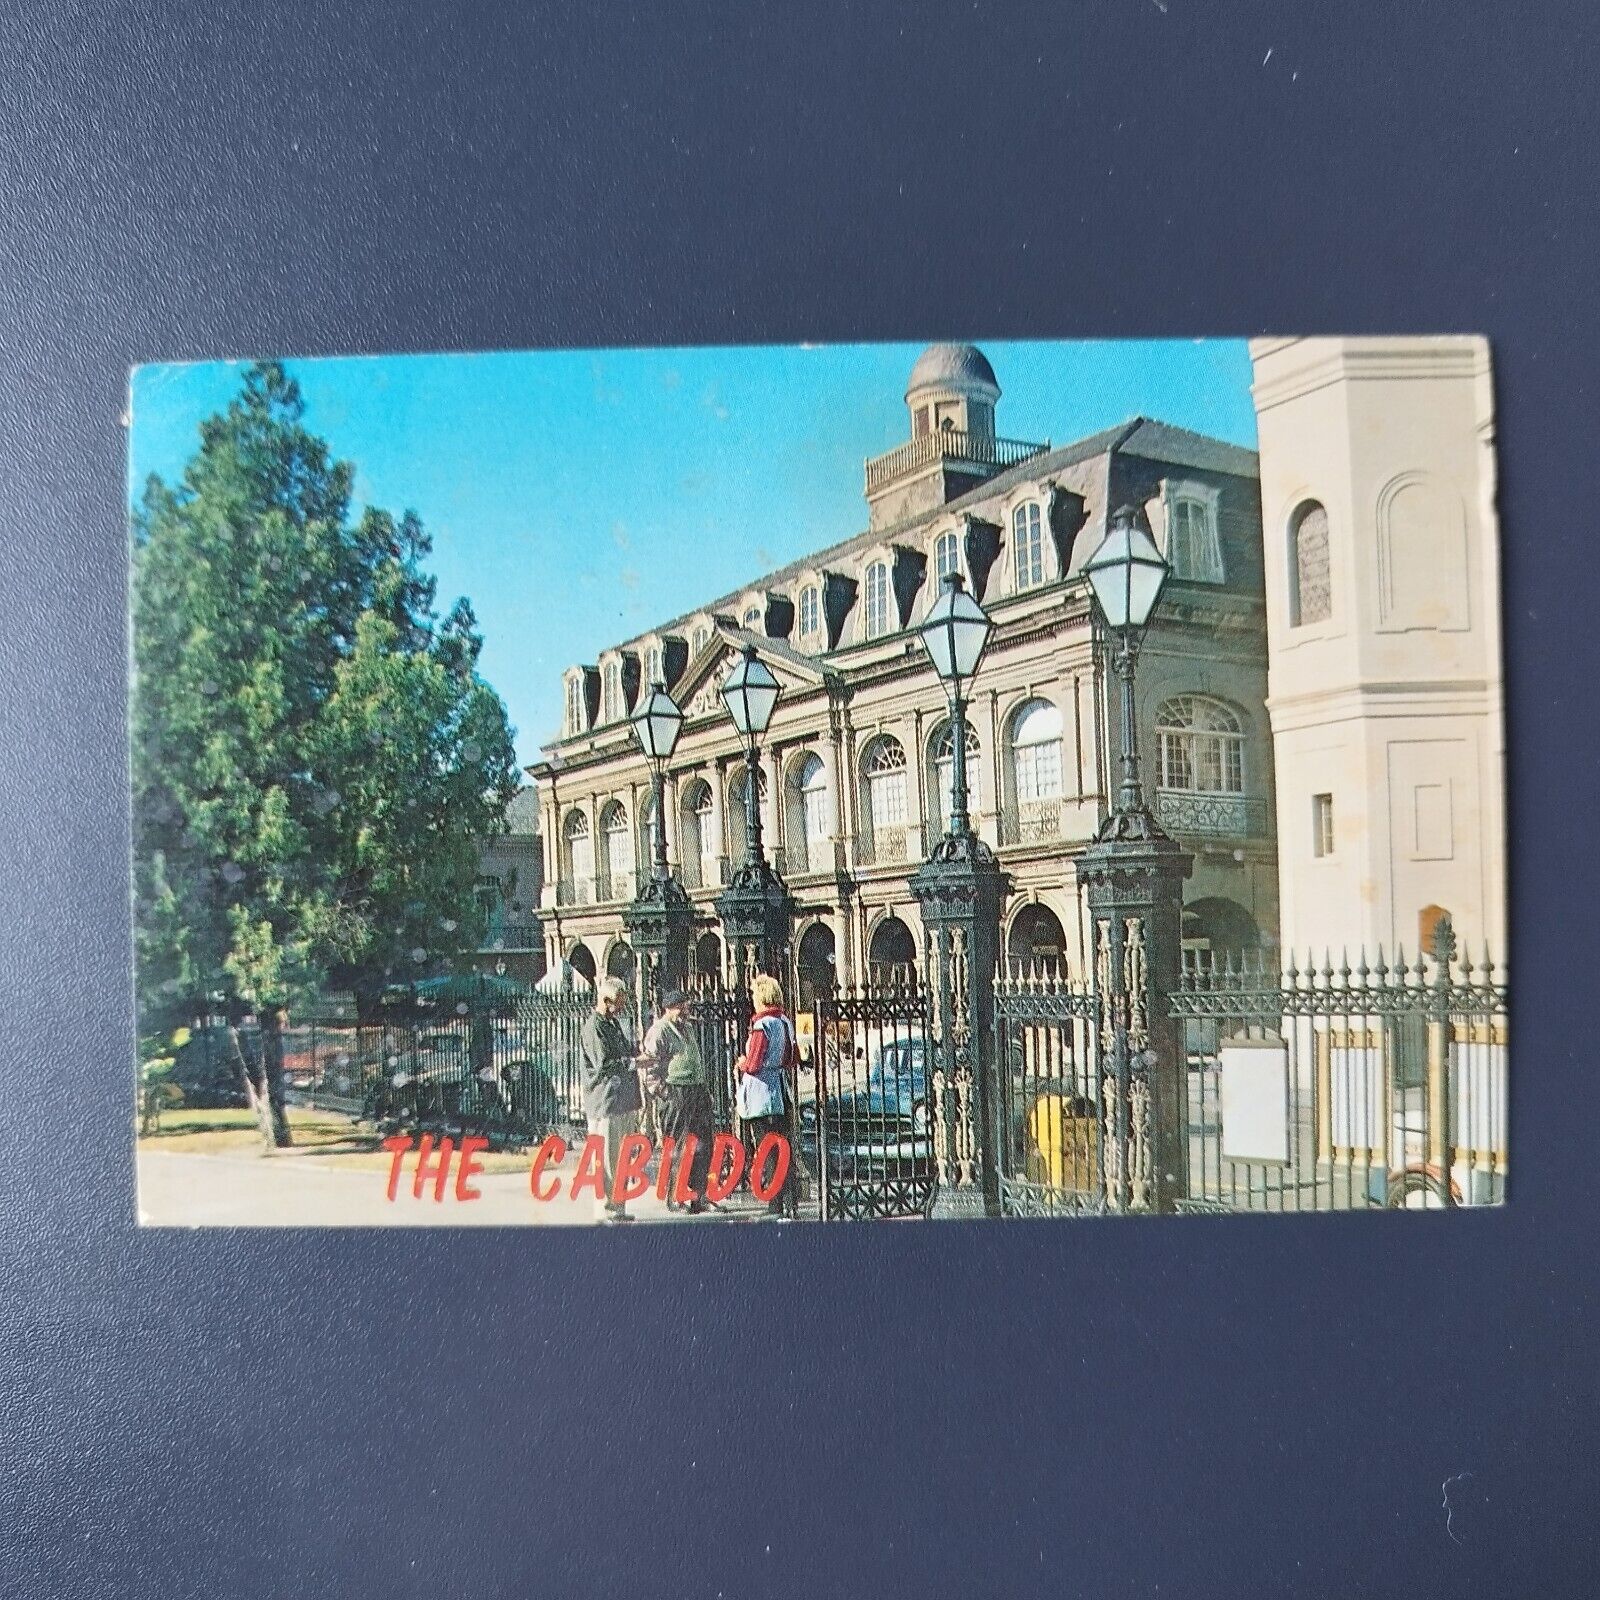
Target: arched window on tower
(1027,543)
(1310,573)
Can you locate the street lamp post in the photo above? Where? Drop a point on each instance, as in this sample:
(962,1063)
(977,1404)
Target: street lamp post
(1133,877)
(660,919)
(756,908)
(961,893)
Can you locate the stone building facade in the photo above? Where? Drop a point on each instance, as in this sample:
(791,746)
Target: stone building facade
(855,766)
(509,888)
(1383,617)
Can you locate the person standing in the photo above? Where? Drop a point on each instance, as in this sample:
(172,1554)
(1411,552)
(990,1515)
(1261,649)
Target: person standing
(611,1096)
(770,1055)
(677,1071)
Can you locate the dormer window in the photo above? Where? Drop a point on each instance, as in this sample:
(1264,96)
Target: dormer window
(611,703)
(574,705)
(1027,543)
(702,637)
(1193,546)
(877,600)
(946,557)
(810,612)
(652,665)
(752,618)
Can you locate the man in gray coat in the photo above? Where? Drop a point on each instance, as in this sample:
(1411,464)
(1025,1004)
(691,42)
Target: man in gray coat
(611,1096)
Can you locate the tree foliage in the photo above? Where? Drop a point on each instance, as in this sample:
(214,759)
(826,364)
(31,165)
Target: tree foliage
(315,757)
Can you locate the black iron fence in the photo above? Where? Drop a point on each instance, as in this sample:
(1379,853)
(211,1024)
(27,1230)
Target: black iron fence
(1324,1087)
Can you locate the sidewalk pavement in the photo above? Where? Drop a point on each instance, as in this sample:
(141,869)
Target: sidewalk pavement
(255,1189)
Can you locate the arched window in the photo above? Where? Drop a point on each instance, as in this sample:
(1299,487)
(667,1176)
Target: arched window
(877,600)
(618,840)
(946,557)
(1201,746)
(885,800)
(944,750)
(702,637)
(810,613)
(808,809)
(652,666)
(579,850)
(612,708)
(1310,575)
(1193,548)
(1027,543)
(1036,751)
(698,846)
(752,617)
(575,704)
(816,803)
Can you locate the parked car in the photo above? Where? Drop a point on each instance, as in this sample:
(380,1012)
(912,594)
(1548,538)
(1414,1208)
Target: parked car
(881,1127)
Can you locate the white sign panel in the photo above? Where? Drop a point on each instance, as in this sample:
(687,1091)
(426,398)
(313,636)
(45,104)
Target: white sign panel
(1255,1100)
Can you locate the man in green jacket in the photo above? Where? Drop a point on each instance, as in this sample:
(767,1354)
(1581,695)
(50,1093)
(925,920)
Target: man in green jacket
(677,1074)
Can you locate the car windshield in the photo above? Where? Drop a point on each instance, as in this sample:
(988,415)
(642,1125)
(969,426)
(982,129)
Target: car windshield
(898,1065)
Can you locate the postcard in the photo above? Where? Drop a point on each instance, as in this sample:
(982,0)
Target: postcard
(755,785)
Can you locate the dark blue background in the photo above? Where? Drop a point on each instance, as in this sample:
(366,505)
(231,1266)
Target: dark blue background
(1229,1407)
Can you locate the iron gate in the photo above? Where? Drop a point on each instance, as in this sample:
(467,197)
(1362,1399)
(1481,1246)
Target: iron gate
(1056,1151)
(866,1104)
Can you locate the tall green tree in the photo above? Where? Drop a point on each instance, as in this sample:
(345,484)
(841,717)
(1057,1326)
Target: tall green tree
(315,758)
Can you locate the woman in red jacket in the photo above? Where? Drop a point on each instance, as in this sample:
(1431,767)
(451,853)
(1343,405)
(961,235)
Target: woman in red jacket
(764,1098)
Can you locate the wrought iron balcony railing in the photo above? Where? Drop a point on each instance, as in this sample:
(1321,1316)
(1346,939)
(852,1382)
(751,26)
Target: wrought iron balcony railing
(948,444)
(1211,816)
(1030,822)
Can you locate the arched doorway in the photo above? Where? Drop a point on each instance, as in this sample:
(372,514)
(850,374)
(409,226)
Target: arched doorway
(815,969)
(1037,942)
(892,953)
(581,960)
(1217,928)
(619,962)
(708,956)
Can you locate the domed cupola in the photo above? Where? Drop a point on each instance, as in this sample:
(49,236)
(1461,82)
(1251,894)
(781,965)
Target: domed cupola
(952,386)
(951,396)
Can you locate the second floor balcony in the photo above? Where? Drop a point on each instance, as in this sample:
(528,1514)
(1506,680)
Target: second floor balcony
(1211,816)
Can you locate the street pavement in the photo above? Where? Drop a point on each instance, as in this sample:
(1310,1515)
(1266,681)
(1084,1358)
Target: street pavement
(252,1189)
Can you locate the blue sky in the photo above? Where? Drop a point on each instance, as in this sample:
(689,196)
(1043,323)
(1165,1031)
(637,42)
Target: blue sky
(580,497)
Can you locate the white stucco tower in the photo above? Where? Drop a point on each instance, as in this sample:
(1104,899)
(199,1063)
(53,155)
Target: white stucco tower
(1383,626)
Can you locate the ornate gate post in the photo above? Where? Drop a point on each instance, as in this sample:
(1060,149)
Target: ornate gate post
(961,892)
(660,924)
(757,913)
(1134,888)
